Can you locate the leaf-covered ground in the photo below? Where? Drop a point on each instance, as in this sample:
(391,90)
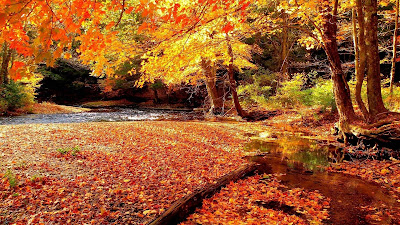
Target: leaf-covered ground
(108,172)
(129,173)
(262,200)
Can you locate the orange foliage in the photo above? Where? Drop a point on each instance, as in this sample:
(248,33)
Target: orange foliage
(42,31)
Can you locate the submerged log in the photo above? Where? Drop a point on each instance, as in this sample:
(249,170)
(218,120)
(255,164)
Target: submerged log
(182,208)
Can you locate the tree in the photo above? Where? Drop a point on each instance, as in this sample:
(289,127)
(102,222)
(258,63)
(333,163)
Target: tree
(375,102)
(321,16)
(395,43)
(194,40)
(209,71)
(360,55)
(6,59)
(192,58)
(329,39)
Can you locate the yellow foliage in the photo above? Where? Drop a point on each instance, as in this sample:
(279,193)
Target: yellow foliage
(182,46)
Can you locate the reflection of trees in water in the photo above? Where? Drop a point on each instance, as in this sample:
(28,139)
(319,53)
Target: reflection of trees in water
(296,150)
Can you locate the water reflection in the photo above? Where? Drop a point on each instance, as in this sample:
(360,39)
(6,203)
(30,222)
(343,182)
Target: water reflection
(296,149)
(299,162)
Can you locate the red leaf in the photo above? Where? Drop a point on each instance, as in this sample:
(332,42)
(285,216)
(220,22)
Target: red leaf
(16,76)
(17,65)
(245,5)
(129,10)
(228,27)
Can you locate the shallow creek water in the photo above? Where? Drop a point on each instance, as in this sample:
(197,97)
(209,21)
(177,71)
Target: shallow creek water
(298,160)
(102,115)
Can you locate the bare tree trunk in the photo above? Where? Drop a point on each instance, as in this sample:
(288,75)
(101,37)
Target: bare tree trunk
(340,86)
(232,81)
(395,34)
(156,99)
(360,56)
(375,102)
(6,58)
(211,76)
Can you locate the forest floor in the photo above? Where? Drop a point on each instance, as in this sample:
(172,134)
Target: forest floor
(131,172)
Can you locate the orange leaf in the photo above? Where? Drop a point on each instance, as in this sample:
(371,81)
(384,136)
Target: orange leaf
(142,27)
(2,19)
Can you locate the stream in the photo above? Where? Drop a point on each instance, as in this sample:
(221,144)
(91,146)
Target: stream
(103,115)
(299,160)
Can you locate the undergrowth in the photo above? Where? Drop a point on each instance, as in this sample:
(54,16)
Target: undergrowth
(17,95)
(392,102)
(302,90)
(258,88)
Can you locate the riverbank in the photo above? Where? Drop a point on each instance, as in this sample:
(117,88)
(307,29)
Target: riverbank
(46,108)
(51,108)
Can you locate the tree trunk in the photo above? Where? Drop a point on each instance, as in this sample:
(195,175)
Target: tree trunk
(360,56)
(156,99)
(6,57)
(375,102)
(232,81)
(340,86)
(285,48)
(395,34)
(210,80)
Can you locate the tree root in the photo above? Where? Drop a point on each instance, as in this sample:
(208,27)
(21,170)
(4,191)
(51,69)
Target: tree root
(380,139)
(383,132)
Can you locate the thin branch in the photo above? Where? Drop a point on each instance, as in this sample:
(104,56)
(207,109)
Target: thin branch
(122,13)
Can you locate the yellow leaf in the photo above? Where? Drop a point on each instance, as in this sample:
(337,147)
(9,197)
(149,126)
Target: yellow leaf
(67,55)
(384,171)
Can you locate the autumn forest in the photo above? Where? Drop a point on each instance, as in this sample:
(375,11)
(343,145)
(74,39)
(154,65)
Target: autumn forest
(199,112)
